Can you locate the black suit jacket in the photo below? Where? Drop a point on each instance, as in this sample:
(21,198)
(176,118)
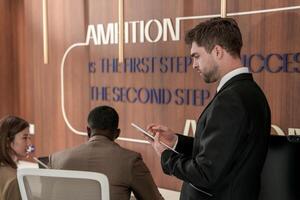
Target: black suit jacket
(227,154)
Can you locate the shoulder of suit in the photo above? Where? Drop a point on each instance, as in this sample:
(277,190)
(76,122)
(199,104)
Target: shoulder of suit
(67,151)
(8,173)
(8,170)
(237,88)
(123,153)
(129,152)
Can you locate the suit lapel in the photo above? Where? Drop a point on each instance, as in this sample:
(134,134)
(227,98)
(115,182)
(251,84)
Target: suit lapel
(244,76)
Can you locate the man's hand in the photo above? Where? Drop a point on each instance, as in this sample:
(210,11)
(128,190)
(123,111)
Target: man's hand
(162,134)
(158,147)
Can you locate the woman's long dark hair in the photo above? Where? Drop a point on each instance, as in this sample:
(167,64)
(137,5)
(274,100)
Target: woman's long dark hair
(9,127)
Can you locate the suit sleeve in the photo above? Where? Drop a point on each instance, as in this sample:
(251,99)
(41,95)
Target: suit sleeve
(142,183)
(184,145)
(219,140)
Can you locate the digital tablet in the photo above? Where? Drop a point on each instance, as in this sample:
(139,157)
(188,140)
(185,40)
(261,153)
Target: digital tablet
(150,136)
(143,131)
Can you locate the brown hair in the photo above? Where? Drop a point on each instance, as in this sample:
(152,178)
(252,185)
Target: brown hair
(217,31)
(9,127)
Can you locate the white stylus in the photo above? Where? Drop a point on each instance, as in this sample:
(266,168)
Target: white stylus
(151,136)
(40,162)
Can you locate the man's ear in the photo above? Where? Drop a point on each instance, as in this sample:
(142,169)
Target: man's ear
(218,52)
(89,131)
(117,133)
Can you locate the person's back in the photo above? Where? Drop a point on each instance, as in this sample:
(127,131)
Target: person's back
(124,168)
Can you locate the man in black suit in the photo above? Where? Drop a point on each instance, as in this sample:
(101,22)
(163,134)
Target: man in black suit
(225,159)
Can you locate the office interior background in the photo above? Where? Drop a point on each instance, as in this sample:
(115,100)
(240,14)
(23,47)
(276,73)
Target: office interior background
(59,61)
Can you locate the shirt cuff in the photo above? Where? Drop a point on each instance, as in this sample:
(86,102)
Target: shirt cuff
(176,142)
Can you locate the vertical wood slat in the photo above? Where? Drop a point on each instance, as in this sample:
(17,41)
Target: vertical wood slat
(121,30)
(45,31)
(223,8)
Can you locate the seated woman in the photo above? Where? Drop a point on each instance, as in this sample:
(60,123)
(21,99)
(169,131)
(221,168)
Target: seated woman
(14,139)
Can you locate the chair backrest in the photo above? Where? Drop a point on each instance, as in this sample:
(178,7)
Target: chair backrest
(281,175)
(51,184)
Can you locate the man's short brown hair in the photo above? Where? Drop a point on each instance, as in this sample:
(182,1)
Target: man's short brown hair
(217,31)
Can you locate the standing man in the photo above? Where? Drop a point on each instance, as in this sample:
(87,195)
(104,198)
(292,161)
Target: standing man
(225,159)
(125,169)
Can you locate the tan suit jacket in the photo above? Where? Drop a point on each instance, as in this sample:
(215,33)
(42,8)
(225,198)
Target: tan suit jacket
(9,189)
(125,169)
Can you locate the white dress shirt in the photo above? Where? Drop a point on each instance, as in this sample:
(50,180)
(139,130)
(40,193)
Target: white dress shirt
(231,74)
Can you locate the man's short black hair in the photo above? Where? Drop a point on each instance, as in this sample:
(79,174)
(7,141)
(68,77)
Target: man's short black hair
(217,31)
(103,118)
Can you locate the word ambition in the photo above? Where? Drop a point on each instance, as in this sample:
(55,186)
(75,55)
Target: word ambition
(134,31)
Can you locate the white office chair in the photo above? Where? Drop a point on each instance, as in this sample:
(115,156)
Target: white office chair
(51,184)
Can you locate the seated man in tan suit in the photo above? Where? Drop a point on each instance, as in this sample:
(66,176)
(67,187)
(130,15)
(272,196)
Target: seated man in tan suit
(124,168)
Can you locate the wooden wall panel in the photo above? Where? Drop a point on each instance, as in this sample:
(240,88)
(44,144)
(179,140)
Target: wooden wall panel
(8,60)
(38,85)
